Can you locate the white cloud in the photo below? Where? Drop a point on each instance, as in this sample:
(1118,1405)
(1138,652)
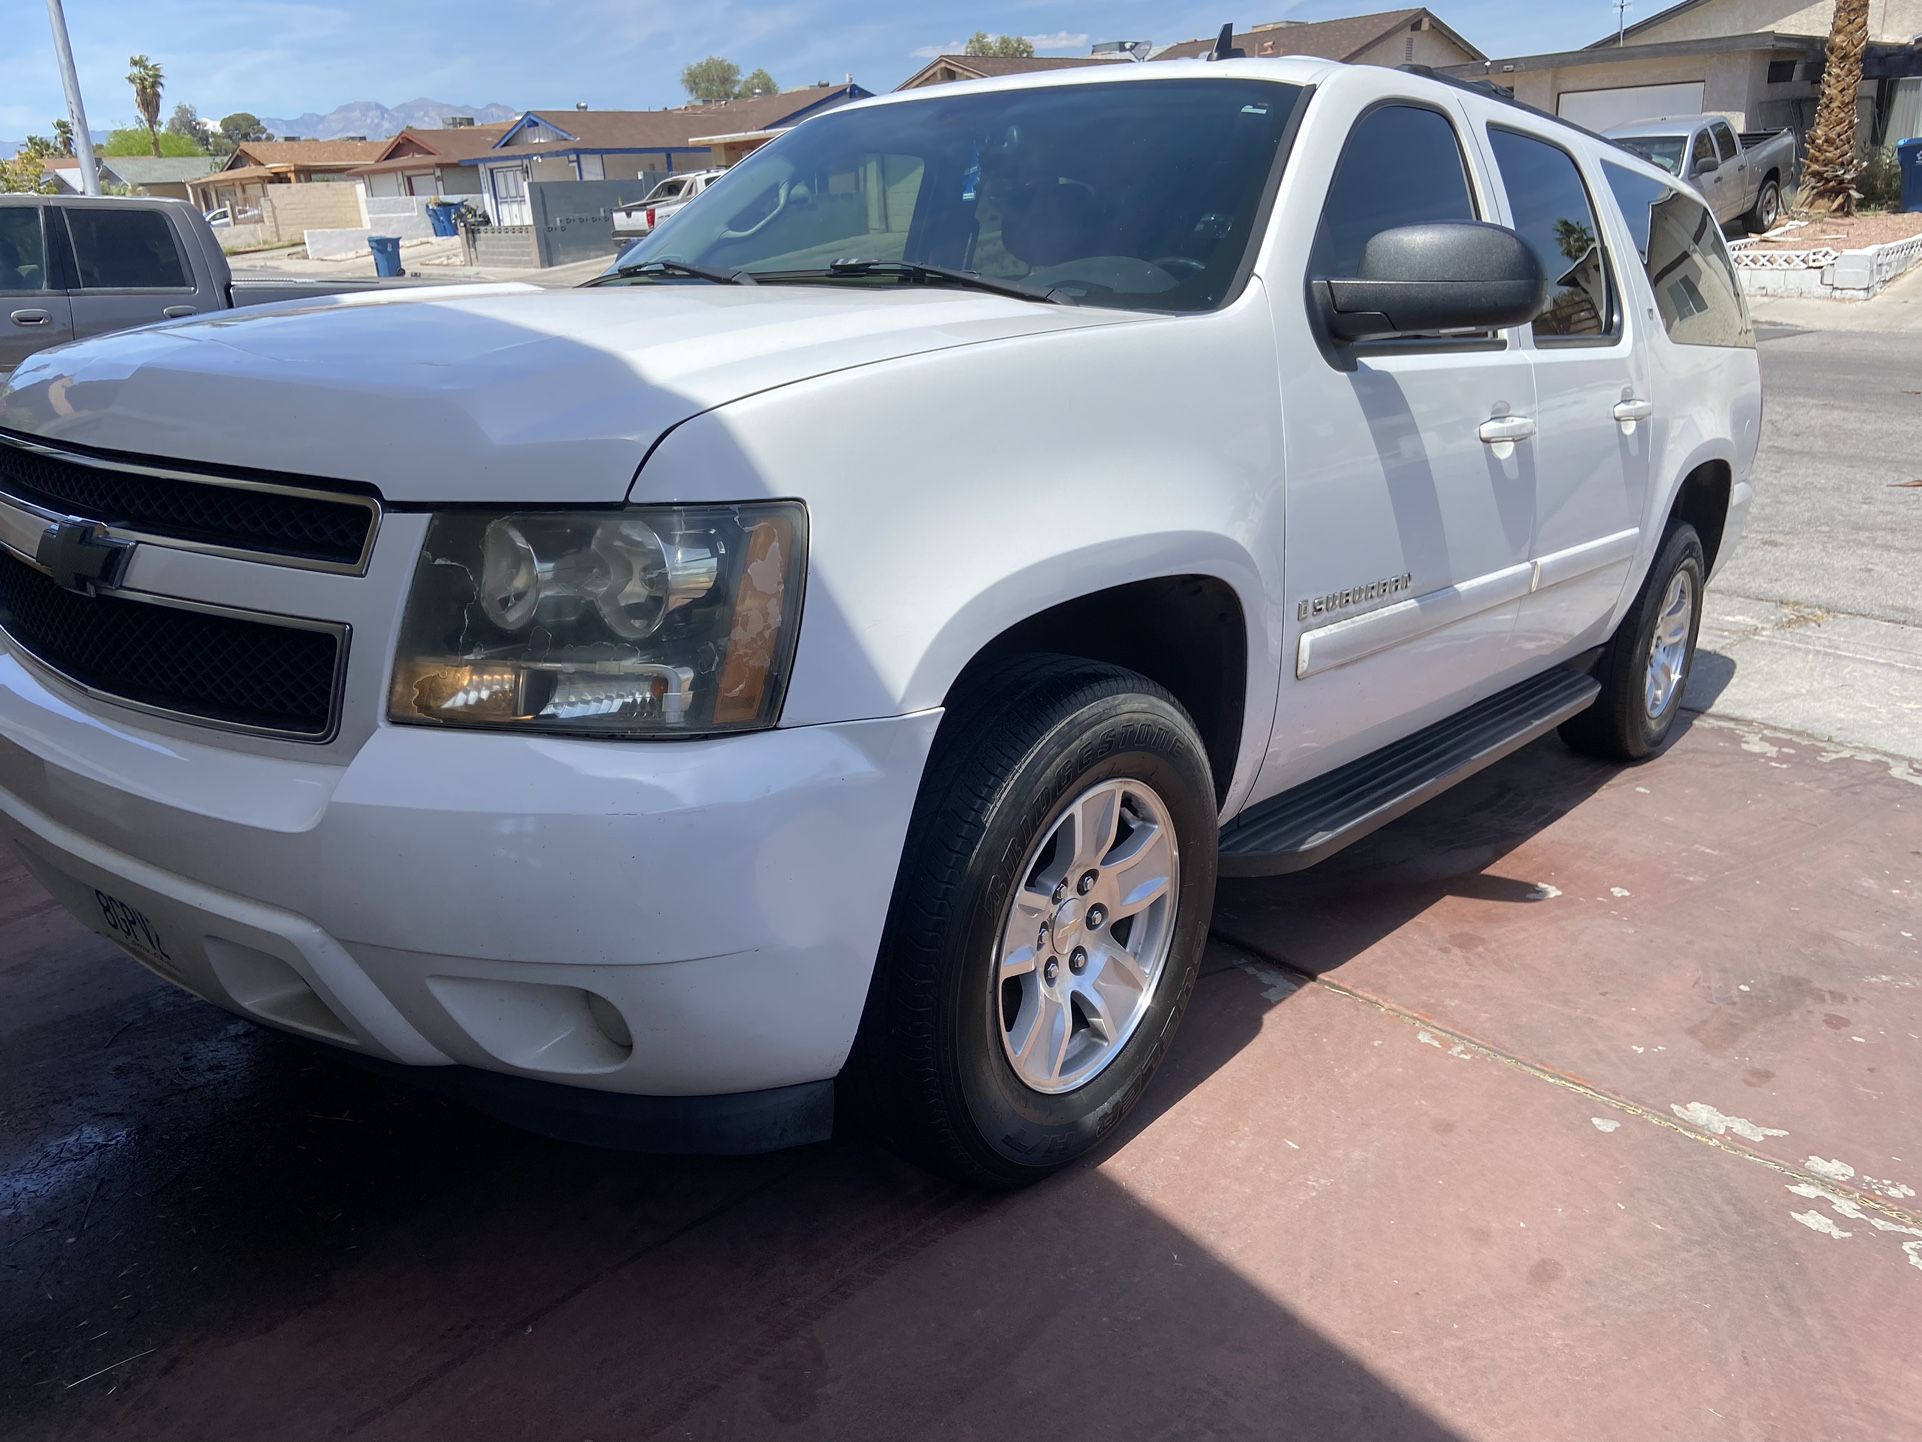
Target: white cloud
(931,52)
(1060,40)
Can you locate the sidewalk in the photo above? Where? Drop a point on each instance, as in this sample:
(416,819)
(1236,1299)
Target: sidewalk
(437,259)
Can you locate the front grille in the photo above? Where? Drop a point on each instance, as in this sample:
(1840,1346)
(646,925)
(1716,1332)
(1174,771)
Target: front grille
(295,525)
(219,668)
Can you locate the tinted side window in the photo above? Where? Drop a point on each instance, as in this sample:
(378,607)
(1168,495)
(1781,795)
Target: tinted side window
(23,255)
(1704,151)
(1402,166)
(1551,211)
(1696,290)
(125,249)
(1724,142)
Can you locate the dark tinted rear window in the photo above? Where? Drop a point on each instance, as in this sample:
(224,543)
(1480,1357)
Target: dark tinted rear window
(1696,290)
(1551,211)
(125,249)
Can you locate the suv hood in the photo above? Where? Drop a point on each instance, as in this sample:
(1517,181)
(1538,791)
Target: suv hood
(481,393)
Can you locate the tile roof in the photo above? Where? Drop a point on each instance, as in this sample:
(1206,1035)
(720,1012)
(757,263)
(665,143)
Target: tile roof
(666,129)
(1329,39)
(156,169)
(341,153)
(448,147)
(985,67)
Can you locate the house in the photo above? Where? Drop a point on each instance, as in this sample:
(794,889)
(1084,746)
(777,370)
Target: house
(946,69)
(428,162)
(1757,62)
(577,144)
(165,177)
(257,164)
(1388,37)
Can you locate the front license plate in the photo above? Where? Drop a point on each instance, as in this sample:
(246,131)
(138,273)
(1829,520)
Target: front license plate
(130,927)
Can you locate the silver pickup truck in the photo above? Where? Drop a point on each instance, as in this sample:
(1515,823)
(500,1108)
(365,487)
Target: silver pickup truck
(1742,176)
(74,266)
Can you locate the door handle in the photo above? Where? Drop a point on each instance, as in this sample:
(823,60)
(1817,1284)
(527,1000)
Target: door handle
(30,317)
(1630,411)
(1507,430)
(175,312)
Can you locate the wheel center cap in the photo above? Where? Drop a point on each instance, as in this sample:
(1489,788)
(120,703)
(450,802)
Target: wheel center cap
(1065,925)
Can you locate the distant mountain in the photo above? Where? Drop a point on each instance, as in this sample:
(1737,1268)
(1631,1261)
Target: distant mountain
(376,121)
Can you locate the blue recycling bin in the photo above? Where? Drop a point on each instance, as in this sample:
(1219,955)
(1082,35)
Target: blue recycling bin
(1908,155)
(441,216)
(386,249)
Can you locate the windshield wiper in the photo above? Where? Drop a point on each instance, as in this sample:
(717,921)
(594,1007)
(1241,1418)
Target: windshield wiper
(669,265)
(915,271)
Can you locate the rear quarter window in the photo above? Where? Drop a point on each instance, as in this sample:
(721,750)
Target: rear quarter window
(125,250)
(1696,290)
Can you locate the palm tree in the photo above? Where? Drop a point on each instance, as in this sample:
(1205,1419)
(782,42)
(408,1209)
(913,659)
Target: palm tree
(1829,174)
(147,81)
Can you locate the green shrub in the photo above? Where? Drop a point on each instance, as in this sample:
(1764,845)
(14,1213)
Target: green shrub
(1881,181)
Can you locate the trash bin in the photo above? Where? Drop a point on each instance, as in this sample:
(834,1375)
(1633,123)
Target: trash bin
(1908,156)
(386,249)
(441,216)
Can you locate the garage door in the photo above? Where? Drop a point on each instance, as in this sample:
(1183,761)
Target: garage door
(1601,109)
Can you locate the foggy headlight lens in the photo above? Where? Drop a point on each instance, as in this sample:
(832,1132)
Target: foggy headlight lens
(652,621)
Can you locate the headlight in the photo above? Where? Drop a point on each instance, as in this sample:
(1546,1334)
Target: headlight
(651,621)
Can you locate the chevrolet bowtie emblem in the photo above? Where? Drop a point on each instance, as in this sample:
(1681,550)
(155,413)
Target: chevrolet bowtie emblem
(81,557)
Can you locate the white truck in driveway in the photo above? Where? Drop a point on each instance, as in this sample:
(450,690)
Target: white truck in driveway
(1742,176)
(633,222)
(78,266)
(772,670)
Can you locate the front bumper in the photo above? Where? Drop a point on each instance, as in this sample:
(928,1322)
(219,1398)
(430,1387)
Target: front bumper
(669,919)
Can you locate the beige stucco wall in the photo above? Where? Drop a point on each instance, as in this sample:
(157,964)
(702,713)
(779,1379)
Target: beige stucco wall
(1888,20)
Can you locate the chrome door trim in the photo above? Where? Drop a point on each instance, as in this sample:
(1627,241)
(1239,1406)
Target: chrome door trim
(1577,561)
(1362,636)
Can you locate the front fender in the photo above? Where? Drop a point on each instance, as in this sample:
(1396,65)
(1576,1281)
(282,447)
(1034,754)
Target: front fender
(952,495)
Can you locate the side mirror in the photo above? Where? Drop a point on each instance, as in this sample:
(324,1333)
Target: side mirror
(1455,275)
(1704,165)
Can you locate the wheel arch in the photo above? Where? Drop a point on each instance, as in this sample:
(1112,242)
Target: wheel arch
(1187,631)
(1702,500)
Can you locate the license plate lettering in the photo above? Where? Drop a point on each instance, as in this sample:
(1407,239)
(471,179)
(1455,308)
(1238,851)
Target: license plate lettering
(130,924)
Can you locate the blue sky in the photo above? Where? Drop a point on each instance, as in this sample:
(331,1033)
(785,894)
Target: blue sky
(283,57)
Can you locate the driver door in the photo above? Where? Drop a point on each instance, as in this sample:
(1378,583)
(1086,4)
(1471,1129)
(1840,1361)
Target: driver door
(1409,464)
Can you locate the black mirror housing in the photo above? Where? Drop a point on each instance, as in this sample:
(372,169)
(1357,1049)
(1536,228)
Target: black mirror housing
(1456,275)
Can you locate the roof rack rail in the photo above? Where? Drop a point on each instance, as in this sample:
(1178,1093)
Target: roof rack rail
(1488,90)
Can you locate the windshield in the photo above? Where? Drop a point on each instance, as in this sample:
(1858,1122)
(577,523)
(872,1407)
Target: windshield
(1664,150)
(1140,194)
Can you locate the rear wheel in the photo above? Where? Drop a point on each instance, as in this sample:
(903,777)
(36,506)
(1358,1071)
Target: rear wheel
(1644,668)
(1768,207)
(1047,924)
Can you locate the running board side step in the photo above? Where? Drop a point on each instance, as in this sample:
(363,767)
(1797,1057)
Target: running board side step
(1310,823)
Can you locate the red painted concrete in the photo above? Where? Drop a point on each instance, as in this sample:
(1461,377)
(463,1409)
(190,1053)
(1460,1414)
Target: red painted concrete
(1320,1225)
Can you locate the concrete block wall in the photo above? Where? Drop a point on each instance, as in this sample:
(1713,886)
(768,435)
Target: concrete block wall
(504,245)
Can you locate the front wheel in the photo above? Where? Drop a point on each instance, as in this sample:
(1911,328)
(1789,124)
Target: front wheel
(1047,923)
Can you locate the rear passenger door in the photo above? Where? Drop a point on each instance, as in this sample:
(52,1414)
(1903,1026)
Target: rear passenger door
(1592,399)
(33,314)
(1731,179)
(128,269)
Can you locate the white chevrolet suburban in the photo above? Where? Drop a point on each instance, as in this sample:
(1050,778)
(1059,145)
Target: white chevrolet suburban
(845,645)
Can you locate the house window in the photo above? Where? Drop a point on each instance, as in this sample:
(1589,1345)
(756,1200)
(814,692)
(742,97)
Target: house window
(1781,72)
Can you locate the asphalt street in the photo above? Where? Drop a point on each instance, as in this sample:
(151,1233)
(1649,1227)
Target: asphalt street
(1578,1104)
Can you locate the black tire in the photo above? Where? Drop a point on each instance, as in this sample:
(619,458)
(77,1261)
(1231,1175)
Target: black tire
(1768,207)
(1618,726)
(1022,743)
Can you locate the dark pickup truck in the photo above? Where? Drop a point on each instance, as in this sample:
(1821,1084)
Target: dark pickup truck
(74,266)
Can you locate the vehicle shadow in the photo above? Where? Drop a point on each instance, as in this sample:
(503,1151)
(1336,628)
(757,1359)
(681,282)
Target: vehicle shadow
(312,1251)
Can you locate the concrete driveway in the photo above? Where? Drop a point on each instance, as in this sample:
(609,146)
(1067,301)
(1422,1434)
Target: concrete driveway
(1579,1105)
